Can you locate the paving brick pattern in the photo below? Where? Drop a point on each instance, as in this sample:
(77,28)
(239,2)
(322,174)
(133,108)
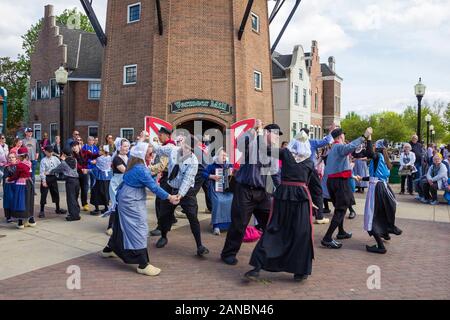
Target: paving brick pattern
(415,267)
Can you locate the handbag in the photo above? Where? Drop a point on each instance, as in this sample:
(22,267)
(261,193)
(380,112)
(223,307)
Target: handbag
(252,234)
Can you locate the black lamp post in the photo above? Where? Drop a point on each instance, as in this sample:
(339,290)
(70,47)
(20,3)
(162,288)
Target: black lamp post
(428,119)
(432,133)
(419,90)
(61,76)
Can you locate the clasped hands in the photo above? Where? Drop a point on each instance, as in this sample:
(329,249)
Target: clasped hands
(174,199)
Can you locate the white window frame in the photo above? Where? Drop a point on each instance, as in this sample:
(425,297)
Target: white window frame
(300,74)
(123,129)
(305,98)
(40,93)
(89,128)
(125,83)
(52,139)
(128,12)
(89,90)
(35,128)
(260,80)
(296,95)
(258,27)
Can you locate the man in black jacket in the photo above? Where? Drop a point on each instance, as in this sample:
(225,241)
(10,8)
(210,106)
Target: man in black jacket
(417,148)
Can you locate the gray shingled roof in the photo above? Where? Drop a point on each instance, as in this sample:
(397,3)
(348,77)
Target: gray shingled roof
(285,60)
(277,72)
(88,62)
(326,70)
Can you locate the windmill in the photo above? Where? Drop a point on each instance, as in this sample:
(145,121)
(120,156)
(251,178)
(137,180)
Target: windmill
(87,5)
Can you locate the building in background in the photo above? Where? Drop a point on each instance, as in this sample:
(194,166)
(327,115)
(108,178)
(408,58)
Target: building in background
(321,87)
(81,53)
(291,92)
(332,84)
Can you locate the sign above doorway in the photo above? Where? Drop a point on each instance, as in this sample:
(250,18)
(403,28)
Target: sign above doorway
(179,106)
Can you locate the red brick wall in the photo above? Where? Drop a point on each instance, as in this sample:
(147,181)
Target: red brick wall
(316,87)
(198,56)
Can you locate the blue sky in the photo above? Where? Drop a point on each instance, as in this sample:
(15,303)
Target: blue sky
(381,47)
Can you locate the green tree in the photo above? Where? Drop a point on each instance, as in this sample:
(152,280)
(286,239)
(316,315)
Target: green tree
(354,125)
(13,76)
(438,120)
(388,125)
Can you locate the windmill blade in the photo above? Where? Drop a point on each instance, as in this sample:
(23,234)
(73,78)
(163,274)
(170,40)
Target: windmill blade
(276,9)
(87,6)
(286,24)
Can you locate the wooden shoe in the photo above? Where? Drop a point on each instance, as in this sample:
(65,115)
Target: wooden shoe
(149,271)
(109,232)
(322,221)
(110,254)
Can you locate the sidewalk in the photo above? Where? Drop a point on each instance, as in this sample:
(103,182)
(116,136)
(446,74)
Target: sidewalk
(33,262)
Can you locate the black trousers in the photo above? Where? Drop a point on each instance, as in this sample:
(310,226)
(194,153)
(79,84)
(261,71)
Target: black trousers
(246,201)
(342,197)
(84,187)
(189,205)
(409,180)
(72,194)
(52,186)
(315,187)
(207,198)
(163,184)
(430,191)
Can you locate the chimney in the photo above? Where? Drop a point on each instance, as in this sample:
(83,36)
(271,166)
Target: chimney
(314,46)
(332,63)
(48,11)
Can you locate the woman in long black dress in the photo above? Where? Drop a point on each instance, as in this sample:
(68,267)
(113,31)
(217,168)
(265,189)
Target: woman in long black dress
(287,244)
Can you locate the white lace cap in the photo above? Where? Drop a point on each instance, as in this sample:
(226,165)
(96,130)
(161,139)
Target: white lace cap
(140,150)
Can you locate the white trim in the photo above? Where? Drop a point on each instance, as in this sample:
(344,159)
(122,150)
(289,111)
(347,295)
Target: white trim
(122,129)
(128,12)
(125,83)
(260,88)
(84,79)
(258,20)
(280,80)
(35,129)
(335,78)
(52,139)
(89,127)
(89,90)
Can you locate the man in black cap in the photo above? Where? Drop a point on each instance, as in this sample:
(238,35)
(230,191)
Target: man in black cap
(250,195)
(161,167)
(339,172)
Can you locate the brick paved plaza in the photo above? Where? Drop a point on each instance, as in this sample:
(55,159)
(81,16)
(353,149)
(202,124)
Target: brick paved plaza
(415,266)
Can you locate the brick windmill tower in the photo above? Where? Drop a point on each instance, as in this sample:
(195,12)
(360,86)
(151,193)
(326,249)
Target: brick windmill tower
(185,60)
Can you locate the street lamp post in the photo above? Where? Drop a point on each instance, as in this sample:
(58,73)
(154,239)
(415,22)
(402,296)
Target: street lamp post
(61,76)
(419,90)
(428,120)
(432,133)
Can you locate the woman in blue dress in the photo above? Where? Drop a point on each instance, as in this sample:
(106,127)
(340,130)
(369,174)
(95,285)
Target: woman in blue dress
(221,200)
(379,212)
(130,230)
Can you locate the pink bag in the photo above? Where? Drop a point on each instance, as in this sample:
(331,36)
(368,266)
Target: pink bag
(252,234)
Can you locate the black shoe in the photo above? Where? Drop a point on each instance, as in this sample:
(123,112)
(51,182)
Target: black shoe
(31,220)
(232,261)
(41,214)
(411,193)
(395,231)
(202,250)
(343,236)
(300,277)
(352,215)
(375,249)
(162,242)
(252,275)
(326,211)
(61,211)
(401,192)
(95,213)
(70,218)
(386,236)
(333,244)
(155,233)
